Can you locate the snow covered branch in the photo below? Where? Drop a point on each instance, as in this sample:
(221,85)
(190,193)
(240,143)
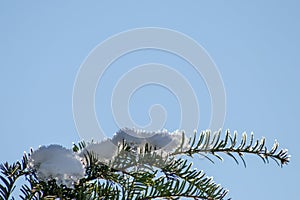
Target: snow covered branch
(133,164)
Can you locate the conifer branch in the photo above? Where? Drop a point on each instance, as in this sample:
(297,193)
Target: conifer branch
(203,145)
(137,172)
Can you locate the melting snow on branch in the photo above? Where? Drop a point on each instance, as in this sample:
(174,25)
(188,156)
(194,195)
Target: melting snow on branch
(56,162)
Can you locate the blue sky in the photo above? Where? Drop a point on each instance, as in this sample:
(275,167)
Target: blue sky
(255,46)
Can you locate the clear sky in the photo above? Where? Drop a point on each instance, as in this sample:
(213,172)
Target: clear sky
(255,46)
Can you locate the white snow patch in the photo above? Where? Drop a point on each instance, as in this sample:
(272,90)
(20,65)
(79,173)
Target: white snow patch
(105,150)
(56,162)
(160,140)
